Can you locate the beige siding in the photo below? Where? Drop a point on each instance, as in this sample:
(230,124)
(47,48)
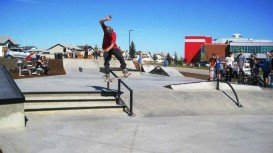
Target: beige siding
(56,49)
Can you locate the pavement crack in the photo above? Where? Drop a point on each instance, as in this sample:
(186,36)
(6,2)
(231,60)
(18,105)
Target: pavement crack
(134,138)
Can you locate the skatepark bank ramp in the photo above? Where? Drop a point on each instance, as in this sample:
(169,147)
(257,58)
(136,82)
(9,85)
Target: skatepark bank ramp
(199,103)
(205,85)
(148,68)
(167,71)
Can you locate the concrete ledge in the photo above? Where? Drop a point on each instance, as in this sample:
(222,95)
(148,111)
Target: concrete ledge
(12,116)
(11,102)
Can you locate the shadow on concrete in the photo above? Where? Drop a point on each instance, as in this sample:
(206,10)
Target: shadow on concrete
(230,97)
(104,91)
(102,69)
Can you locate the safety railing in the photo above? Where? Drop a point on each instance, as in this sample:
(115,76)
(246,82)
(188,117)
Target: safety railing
(237,102)
(128,110)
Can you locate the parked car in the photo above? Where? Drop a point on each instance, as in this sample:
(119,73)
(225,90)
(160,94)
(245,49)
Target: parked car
(159,60)
(203,64)
(16,53)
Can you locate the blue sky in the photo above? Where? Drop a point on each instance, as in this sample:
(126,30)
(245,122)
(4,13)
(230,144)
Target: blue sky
(158,25)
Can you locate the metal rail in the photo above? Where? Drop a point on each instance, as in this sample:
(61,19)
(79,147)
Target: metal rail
(128,110)
(227,82)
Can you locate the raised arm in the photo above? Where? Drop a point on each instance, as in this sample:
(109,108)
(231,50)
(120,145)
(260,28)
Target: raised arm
(107,18)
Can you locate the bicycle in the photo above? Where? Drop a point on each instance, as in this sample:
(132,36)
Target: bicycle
(254,80)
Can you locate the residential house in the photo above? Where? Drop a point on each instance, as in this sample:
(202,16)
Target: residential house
(88,46)
(29,48)
(63,49)
(6,42)
(146,57)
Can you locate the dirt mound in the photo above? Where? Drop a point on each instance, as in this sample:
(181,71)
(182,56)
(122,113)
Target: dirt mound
(55,68)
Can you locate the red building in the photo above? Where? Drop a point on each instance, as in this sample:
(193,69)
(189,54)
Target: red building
(193,47)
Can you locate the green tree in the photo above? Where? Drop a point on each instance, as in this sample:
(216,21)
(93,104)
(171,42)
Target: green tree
(181,62)
(132,50)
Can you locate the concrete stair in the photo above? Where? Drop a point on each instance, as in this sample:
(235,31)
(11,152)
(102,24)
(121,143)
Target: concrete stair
(54,101)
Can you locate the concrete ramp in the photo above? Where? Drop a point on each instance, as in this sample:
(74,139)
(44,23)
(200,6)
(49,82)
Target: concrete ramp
(167,71)
(76,63)
(76,66)
(212,86)
(202,102)
(171,71)
(148,68)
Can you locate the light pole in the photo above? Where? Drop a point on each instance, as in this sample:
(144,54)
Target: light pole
(129,40)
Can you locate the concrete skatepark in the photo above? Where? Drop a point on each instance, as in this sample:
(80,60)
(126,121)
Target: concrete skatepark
(172,114)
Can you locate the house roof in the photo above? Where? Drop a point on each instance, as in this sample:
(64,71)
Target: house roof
(67,46)
(82,47)
(29,47)
(4,39)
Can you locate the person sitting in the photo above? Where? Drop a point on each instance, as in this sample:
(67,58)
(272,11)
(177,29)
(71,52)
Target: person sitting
(29,59)
(42,65)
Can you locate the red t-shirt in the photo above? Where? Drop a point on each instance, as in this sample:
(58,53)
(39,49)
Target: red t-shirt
(212,62)
(29,57)
(108,39)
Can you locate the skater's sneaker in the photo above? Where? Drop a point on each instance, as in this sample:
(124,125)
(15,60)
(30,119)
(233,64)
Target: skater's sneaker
(125,73)
(107,78)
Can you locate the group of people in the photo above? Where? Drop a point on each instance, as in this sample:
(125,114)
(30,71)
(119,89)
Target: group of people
(39,62)
(266,66)
(215,66)
(255,66)
(71,53)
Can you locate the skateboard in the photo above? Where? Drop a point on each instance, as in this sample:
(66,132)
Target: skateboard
(120,77)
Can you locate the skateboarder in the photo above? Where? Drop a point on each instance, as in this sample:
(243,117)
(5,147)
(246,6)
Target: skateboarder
(110,48)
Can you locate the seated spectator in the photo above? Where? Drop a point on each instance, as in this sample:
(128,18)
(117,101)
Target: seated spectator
(42,64)
(34,57)
(29,58)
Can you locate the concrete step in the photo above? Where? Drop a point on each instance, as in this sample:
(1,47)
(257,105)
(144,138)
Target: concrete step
(69,95)
(46,106)
(87,111)
(52,101)
(54,98)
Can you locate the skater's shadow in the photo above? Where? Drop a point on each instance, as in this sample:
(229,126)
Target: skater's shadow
(104,91)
